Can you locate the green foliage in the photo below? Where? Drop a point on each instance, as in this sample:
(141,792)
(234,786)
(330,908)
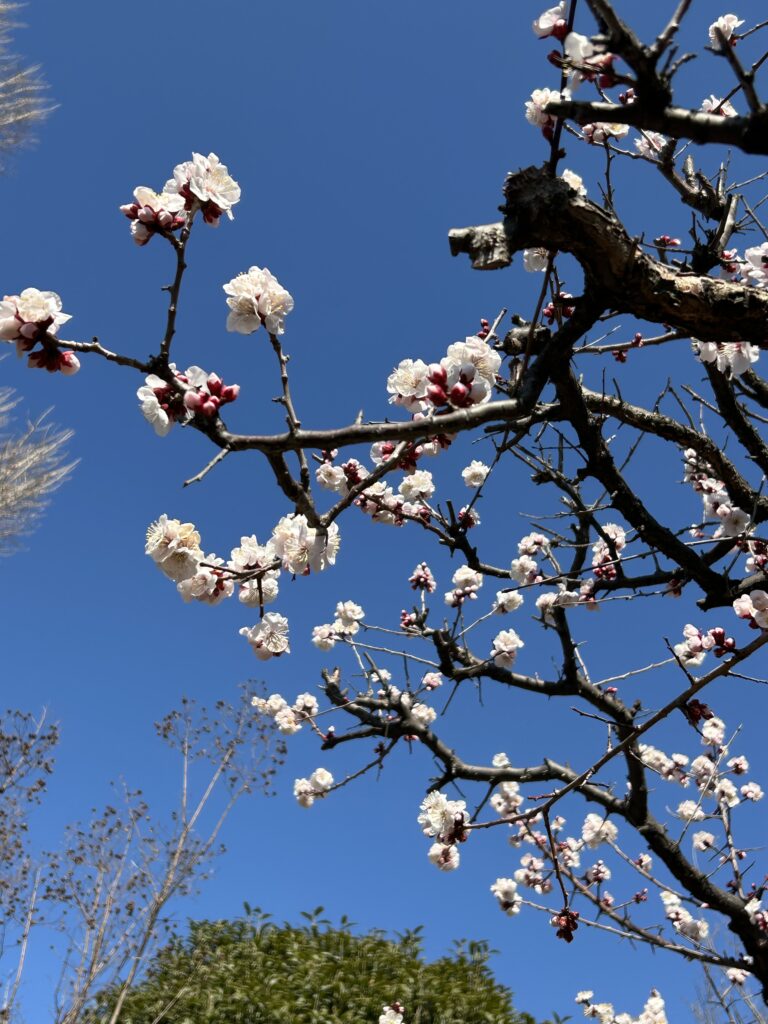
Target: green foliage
(252,971)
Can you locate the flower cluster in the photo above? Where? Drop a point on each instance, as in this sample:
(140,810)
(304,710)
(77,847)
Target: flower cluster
(346,624)
(696,645)
(444,820)
(287,718)
(317,785)
(153,213)
(392,1014)
(464,377)
(202,183)
(294,547)
(256,297)
(196,392)
(467,582)
(552,23)
(732,520)
(731,357)
(33,318)
(653,1011)
(754,608)
(726,25)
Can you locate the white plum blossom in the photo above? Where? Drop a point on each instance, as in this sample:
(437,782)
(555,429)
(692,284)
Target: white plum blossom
(332,478)
(209,584)
(560,598)
(534,108)
(650,144)
(324,637)
(690,810)
(466,583)
(431,680)
(670,768)
(757,260)
(269,705)
(525,570)
(535,260)
(287,721)
(317,785)
(753,606)
(507,601)
(475,473)
(736,975)
(257,558)
(533,544)
(25,317)
(306,705)
(597,830)
(302,548)
(702,841)
(506,644)
(575,181)
(734,357)
(256,297)
(738,765)
(349,615)
(599,872)
(693,649)
(321,780)
(391,1015)
(204,183)
(713,732)
(154,396)
(417,486)
(440,816)
(682,920)
(152,212)
(714,105)
(505,891)
(174,547)
(444,857)
(598,133)
(407,385)
(268,638)
(551,22)
(423,714)
(727,24)
(726,794)
(507,799)
(752,791)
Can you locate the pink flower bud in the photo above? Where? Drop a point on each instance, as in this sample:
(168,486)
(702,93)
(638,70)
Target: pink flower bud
(29,331)
(69,364)
(130,210)
(165,219)
(436,374)
(146,215)
(437,395)
(459,395)
(193,400)
(230,392)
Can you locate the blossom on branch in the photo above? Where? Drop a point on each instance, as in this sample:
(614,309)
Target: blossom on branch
(551,23)
(727,25)
(152,213)
(174,547)
(256,297)
(203,183)
(32,318)
(268,638)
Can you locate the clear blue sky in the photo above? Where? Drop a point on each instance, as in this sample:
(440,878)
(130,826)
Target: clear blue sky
(360,133)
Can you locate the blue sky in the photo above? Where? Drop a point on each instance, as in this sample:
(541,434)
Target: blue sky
(359,134)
